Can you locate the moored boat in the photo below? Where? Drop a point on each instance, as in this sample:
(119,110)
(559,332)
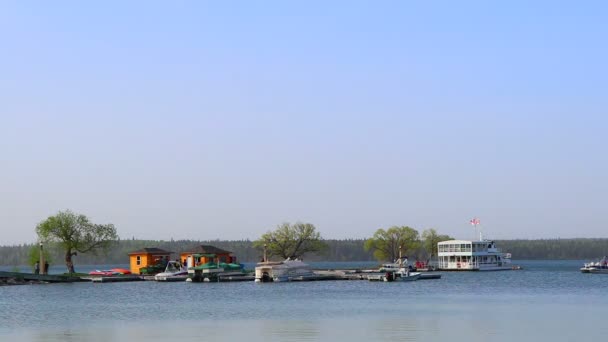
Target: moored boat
(173,272)
(212,271)
(467,255)
(399,275)
(281,271)
(400,270)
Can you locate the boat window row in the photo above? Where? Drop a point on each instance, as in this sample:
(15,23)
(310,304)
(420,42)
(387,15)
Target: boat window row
(462,247)
(464,261)
(466,258)
(458,247)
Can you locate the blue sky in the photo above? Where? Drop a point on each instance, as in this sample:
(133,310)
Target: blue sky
(221,120)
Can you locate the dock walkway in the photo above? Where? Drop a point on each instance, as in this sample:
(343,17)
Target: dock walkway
(45,278)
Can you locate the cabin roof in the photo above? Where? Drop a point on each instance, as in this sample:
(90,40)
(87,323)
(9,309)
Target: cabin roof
(151,250)
(206,249)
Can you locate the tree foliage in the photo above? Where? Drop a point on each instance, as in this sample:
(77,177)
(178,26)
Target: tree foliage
(34,255)
(337,250)
(292,240)
(430,240)
(385,244)
(75,233)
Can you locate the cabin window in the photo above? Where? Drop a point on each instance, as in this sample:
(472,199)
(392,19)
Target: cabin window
(138,260)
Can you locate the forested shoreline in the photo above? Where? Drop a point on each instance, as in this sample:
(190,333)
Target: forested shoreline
(337,250)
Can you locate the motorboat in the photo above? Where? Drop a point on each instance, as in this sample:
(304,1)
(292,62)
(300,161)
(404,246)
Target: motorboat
(173,272)
(400,270)
(395,272)
(600,266)
(212,271)
(401,275)
(282,271)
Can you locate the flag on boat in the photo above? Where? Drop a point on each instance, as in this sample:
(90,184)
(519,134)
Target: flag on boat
(474,221)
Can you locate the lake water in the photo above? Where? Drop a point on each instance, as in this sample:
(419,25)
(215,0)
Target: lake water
(547,301)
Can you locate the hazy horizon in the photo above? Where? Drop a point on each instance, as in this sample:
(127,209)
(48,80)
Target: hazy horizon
(205,121)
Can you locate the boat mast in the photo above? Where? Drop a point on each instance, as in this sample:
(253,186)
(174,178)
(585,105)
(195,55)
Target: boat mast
(475,222)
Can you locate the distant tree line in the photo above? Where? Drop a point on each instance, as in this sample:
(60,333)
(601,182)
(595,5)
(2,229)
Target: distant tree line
(337,250)
(560,249)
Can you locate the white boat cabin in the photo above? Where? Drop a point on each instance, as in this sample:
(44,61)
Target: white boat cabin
(466,255)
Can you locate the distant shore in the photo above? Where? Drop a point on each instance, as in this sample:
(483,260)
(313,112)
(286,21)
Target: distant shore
(345,250)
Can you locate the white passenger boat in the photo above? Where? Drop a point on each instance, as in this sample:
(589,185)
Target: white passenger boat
(281,271)
(466,255)
(173,272)
(600,267)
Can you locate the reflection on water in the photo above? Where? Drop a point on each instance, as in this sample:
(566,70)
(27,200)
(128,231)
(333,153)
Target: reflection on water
(547,301)
(373,329)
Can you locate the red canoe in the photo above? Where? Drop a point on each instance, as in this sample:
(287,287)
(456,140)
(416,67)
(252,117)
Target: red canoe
(121,270)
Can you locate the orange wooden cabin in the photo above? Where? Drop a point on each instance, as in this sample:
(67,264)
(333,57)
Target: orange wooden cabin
(147,257)
(203,254)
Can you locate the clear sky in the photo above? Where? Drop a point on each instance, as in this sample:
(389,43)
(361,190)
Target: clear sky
(220,120)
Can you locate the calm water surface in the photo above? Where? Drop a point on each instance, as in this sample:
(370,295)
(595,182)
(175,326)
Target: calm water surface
(547,301)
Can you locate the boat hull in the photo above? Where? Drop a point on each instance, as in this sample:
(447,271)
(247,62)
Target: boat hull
(484,269)
(410,277)
(594,270)
(426,276)
(393,276)
(284,271)
(181,276)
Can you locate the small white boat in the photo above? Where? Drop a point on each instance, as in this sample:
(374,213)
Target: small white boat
(397,271)
(400,275)
(281,271)
(173,272)
(598,267)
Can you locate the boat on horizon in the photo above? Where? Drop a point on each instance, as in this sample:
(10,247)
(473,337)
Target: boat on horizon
(599,267)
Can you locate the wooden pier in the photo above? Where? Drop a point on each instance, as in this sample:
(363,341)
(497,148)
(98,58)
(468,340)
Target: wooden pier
(113,279)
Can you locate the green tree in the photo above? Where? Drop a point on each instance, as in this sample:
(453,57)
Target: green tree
(75,233)
(33,255)
(292,240)
(385,244)
(430,240)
